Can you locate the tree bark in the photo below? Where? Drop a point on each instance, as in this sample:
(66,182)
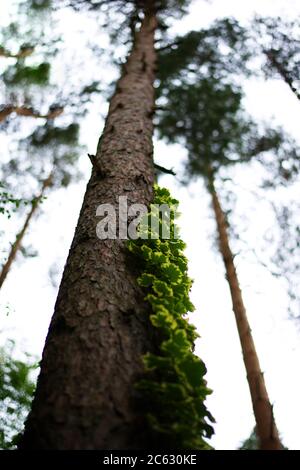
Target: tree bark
(263,411)
(19,238)
(85,397)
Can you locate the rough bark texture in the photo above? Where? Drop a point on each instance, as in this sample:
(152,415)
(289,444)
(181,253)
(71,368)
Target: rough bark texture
(92,357)
(265,424)
(19,238)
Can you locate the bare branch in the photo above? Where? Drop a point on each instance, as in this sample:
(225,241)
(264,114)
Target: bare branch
(24,51)
(29,112)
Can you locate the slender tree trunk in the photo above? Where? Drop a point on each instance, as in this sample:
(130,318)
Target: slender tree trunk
(282,71)
(85,396)
(19,238)
(265,424)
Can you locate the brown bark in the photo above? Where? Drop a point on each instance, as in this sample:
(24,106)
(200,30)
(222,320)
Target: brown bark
(27,111)
(19,238)
(266,429)
(85,396)
(23,52)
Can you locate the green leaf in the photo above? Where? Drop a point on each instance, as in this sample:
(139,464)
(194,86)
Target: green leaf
(171,271)
(162,289)
(156,362)
(146,279)
(177,345)
(163,319)
(194,370)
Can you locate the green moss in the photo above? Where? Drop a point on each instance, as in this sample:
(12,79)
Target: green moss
(173,388)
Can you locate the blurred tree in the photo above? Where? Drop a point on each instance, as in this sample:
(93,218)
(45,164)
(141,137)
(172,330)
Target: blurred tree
(48,142)
(16,391)
(212,126)
(8,203)
(29,39)
(279,40)
(16,246)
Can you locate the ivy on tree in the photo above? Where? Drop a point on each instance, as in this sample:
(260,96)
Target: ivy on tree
(173,390)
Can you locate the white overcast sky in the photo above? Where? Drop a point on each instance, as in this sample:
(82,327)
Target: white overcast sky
(30,296)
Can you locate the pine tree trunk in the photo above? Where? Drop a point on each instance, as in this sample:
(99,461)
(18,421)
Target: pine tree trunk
(85,396)
(265,424)
(19,238)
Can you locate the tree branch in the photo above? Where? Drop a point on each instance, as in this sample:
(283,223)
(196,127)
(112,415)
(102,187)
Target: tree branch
(24,51)
(164,170)
(29,112)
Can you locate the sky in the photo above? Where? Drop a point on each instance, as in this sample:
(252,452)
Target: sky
(30,296)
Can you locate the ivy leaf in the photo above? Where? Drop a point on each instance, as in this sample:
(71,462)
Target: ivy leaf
(194,370)
(156,362)
(182,263)
(177,345)
(171,271)
(146,252)
(162,289)
(146,279)
(163,319)
(173,392)
(173,387)
(159,258)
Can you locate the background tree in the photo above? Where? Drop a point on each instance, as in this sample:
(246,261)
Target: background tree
(213,129)
(16,246)
(279,41)
(225,52)
(47,141)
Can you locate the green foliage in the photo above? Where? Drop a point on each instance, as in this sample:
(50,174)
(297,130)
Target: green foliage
(49,148)
(279,40)
(16,392)
(53,135)
(8,203)
(30,75)
(212,126)
(214,53)
(251,443)
(173,389)
(40,4)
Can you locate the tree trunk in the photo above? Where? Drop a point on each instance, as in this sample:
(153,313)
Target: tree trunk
(19,238)
(263,411)
(85,396)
